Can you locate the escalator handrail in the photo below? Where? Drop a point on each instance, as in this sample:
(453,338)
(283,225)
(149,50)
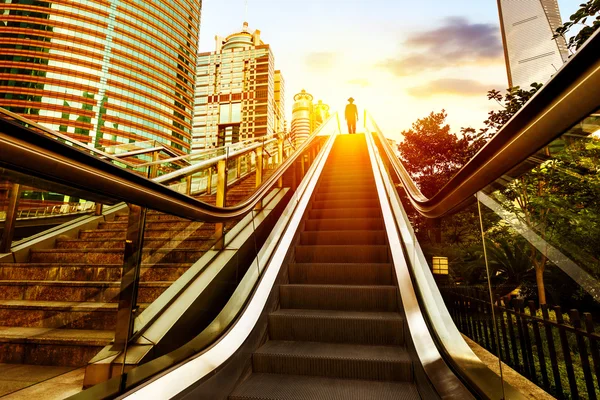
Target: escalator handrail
(34,154)
(171,374)
(569,96)
(418,285)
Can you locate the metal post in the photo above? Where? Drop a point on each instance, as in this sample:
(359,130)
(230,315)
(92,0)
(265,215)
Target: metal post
(209,180)
(188,185)
(153,172)
(259,166)
(239,166)
(280,154)
(132,260)
(220,201)
(11,218)
(98,210)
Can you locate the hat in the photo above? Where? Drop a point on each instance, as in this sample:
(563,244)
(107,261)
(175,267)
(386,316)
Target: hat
(351,99)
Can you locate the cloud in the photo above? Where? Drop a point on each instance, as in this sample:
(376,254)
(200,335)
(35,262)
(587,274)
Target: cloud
(362,82)
(456,43)
(319,61)
(456,87)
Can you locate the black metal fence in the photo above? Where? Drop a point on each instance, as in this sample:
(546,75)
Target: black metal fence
(561,357)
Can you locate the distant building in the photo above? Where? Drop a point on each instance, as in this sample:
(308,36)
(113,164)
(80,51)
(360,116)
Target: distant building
(530,52)
(307,116)
(321,113)
(279,98)
(236,89)
(103,73)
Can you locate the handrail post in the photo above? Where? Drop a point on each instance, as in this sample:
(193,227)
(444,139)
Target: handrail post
(98,209)
(153,172)
(280,154)
(209,171)
(132,260)
(259,172)
(188,185)
(11,218)
(259,166)
(220,201)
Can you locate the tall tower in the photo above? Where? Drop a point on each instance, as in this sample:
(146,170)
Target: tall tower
(103,72)
(530,52)
(302,113)
(236,91)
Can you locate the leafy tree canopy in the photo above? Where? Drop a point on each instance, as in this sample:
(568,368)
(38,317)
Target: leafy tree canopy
(588,17)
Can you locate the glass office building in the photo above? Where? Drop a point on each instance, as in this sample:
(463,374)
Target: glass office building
(531,53)
(103,72)
(236,92)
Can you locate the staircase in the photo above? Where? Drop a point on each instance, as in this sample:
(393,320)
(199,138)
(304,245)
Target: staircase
(59,309)
(338,333)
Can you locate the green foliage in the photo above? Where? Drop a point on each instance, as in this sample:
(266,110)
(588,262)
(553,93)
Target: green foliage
(432,154)
(588,17)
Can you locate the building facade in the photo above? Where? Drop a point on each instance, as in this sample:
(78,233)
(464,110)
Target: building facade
(302,116)
(104,72)
(307,116)
(530,52)
(239,95)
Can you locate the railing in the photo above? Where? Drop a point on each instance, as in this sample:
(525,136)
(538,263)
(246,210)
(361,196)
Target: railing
(562,357)
(521,217)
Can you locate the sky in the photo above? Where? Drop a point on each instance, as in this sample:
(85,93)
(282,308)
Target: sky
(400,59)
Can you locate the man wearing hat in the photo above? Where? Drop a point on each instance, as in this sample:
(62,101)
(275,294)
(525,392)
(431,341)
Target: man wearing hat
(351,116)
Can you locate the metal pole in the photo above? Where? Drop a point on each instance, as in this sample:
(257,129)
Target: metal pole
(132,260)
(209,180)
(98,210)
(11,218)
(220,201)
(188,185)
(259,166)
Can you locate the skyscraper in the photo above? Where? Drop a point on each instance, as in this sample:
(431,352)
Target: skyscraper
(531,53)
(236,91)
(102,72)
(302,116)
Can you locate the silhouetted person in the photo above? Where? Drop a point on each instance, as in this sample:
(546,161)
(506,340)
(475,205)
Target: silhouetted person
(351,116)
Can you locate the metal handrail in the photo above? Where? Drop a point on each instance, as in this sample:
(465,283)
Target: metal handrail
(568,97)
(27,153)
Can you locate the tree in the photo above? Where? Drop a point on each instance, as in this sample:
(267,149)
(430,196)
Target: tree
(432,154)
(587,11)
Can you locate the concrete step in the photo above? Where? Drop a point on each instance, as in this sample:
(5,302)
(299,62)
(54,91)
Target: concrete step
(332,360)
(47,346)
(338,213)
(189,243)
(160,224)
(88,272)
(58,314)
(372,328)
(342,254)
(203,231)
(338,297)
(345,224)
(343,237)
(71,291)
(297,387)
(347,203)
(114,256)
(341,273)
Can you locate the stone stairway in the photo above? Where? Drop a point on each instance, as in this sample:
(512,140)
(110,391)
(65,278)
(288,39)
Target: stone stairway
(338,333)
(59,308)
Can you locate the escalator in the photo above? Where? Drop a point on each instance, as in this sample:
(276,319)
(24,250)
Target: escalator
(335,299)
(338,330)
